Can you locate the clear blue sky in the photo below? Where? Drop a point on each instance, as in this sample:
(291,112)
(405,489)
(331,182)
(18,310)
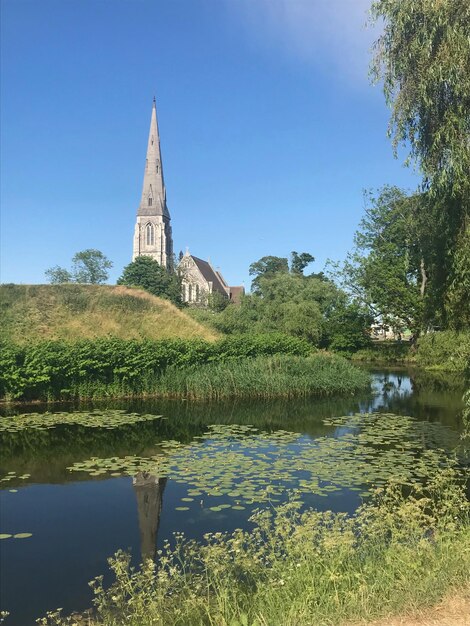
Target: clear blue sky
(269,128)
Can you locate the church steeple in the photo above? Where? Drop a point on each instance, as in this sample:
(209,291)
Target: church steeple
(152,235)
(153,201)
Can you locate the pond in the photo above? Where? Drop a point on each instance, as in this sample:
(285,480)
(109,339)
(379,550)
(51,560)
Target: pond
(83,481)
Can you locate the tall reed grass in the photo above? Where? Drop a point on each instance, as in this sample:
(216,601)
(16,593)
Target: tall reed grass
(264,377)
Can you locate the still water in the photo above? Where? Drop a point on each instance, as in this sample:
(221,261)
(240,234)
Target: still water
(84,493)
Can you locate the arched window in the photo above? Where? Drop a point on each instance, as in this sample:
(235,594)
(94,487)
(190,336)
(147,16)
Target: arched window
(196,289)
(158,165)
(190,293)
(149,235)
(150,201)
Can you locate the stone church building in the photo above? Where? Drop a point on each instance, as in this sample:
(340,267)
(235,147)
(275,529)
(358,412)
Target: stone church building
(153,236)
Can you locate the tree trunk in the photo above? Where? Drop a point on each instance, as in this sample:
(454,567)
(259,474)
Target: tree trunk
(424,279)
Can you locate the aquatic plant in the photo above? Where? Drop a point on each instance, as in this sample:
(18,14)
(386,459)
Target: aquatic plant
(106,419)
(277,376)
(238,465)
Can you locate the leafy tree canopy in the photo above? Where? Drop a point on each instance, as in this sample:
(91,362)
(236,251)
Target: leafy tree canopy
(423,58)
(147,273)
(267,267)
(300,261)
(57,275)
(88,266)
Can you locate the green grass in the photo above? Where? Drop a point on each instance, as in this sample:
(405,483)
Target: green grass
(264,377)
(398,553)
(70,312)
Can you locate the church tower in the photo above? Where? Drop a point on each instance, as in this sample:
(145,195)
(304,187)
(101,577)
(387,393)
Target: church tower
(152,235)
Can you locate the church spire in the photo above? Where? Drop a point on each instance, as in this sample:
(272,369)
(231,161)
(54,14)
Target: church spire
(153,201)
(152,233)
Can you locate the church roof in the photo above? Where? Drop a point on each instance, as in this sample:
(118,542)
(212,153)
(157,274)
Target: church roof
(210,275)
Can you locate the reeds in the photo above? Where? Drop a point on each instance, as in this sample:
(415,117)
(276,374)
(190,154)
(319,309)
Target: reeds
(279,376)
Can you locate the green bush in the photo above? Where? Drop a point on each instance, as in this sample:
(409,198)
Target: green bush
(447,350)
(112,367)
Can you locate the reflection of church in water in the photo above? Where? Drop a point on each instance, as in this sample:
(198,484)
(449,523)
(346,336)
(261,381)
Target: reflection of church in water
(149,494)
(153,235)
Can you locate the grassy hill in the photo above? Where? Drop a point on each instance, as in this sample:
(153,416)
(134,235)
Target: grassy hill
(31,313)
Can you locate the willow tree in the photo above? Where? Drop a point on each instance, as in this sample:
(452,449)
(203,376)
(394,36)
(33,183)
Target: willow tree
(423,59)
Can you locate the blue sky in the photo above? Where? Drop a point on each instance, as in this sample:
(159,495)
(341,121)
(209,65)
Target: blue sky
(270,129)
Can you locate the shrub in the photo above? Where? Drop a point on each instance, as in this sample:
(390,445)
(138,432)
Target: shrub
(447,350)
(106,367)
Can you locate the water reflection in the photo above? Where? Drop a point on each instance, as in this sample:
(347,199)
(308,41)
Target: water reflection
(149,494)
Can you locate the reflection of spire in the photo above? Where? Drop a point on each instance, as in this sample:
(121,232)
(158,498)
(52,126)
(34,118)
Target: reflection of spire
(149,493)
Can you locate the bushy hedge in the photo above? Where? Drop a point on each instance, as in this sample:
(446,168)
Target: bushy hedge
(446,350)
(103,367)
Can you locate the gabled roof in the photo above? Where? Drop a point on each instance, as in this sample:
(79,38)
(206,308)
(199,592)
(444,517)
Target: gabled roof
(210,275)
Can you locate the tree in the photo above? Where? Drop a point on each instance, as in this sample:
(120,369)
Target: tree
(423,58)
(90,266)
(386,271)
(300,261)
(347,328)
(57,275)
(267,267)
(147,273)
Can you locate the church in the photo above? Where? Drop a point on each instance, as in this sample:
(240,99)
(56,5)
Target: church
(153,236)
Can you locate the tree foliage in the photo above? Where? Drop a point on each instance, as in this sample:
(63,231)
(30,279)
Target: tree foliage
(300,261)
(266,267)
(284,300)
(385,271)
(88,266)
(147,273)
(423,58)
(57,275)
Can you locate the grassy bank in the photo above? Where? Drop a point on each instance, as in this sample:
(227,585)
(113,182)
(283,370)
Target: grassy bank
(72,312)
(280,376)
(54,370)
(296,568)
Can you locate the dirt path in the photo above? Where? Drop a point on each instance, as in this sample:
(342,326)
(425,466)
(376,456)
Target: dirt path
(452,611)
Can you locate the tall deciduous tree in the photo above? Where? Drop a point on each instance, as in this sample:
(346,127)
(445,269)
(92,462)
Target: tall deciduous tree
(300,261)
(387,270)
(90,266)
(423,58)
(267,267)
